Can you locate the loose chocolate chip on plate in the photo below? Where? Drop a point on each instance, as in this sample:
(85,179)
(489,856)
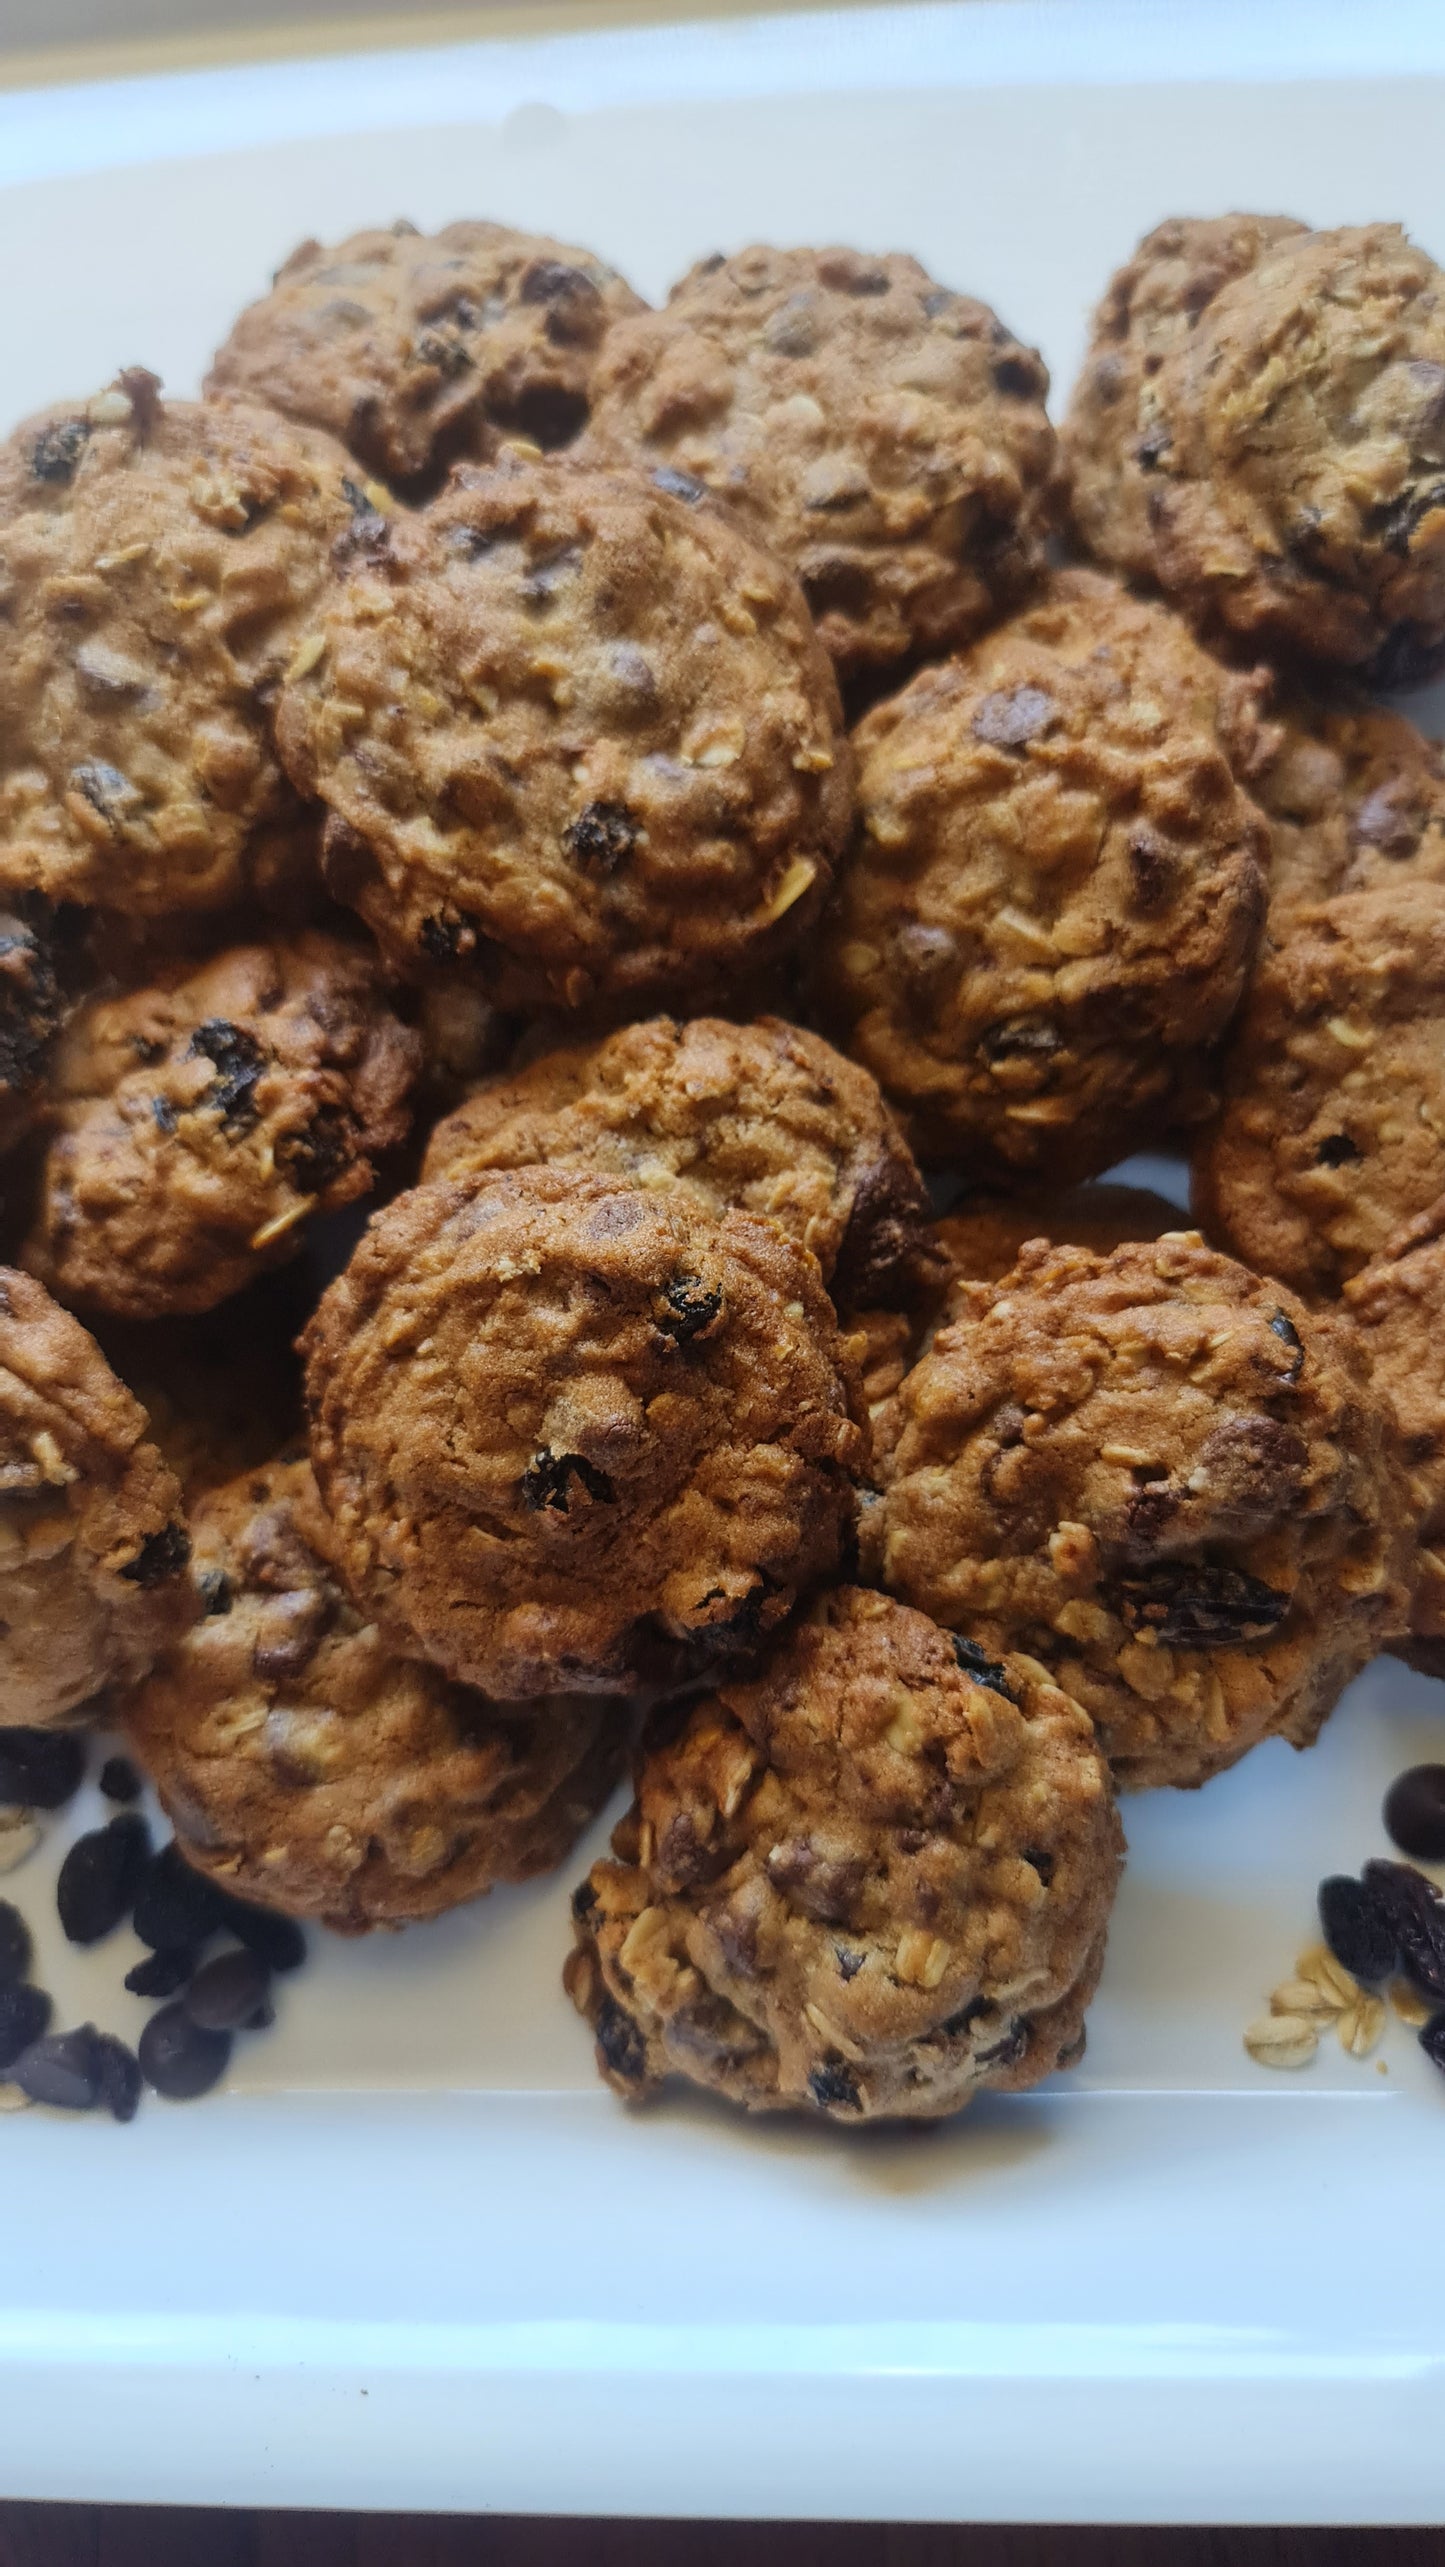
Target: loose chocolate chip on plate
(120,2077)
(1415,1913)
(62,2069)
(119,1779)
(227,1992)
(179,2059)
(100,1878)
(41,1768)
(1357,1928)
(24,2014)
(14,1945)
(1415,1813)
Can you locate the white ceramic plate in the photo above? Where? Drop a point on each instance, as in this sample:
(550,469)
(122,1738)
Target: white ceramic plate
(415,2257)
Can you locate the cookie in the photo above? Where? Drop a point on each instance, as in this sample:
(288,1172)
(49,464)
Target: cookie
(1056,890)
(886,437)
(1332,1131)
(1398,1305)
(414,349)
(765,1117)
(872,1882)
(578,741)
(983,1234)
(305,1766)
(1112,438)
(160,561)
(1168,1481)
(572,1435)
(1355,800)
(93,1540)
(202,1121)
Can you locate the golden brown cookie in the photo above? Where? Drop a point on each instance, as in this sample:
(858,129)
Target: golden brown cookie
(888,438)
(1398,1305)
(571,1434)
(873,1882)
(1167,1480)
(159,562)
(984,1233)
(305,1766)
(202,1121)
(1332,1131)
(93,1540)
(766,1117)
(1055,893)
(1355,800)
(579,741)
(414,349)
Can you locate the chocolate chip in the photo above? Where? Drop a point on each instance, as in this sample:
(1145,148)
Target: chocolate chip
(100,1877)
(15,1945)
(161,1556)
(277,1940)
(1337,1150)
(63,2069)
(227,1992)
(679,485)
(602,837)
(688,1306)
(1415,1912)
(178,2058)
(176,1908)
(1288,1335)
(1414,1813)
(548,1478)
(119,2077)
(1432,2040)
(1011,719)
(57,450)
(119,1779)
(834,2087)
(1198,1604)
(984,1670)
(238,1060)
(1357,1929)
(620,2042)
(161,1974)
(41,1768)
(24,2014)
(214,1589)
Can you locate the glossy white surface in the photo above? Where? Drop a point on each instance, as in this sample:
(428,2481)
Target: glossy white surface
(415,2257)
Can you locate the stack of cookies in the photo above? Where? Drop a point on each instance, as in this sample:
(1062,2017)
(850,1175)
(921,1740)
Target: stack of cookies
(655,804)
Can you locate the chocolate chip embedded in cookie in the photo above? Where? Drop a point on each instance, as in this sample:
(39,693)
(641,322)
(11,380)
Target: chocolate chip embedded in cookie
(984,1233)
(93,1539)
(614,770)
(765,1117)
(1055,894)
(873,1882)
(1355,800)
(1166,1479)
(160,561)
(414,349)
(1398,1305)
(305,1766)
(201,1121)
(885,436)
(1332,1131)
(571,1434)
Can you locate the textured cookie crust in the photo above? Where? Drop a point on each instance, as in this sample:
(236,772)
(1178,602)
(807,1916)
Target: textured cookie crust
(886,437)
(93,1541)
(1398,1305)
(1167,1480)
(1056,891)
(983,1235)
(1355,800)
(577,738)
(203,1120)
(415,349)
(1332,1133)
(158,561)
(764,1117)
(305,1766)
(871,1883)
(571,1435)
(1112,439)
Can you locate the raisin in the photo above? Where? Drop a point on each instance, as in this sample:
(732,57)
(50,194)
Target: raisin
(100,1878)
(1432,2040)
(984,1670)
(849,1963)
(1151,448)
(368,535)
(584,1900)
(1357,1929)
(1337,1150)
(679,485)
(118,2077)
(228,1992)
(1415,1813)
(602,837)
(119,1779)
(448,937)
(314,1158)
(238,1060)
(1415,1912)
(63,2070)
(967,2016)
(161,1556)
(1016,379)
(547,1479)
(1011,719)
(161,1974)
(176,1908)
(1039,1861)
(15,1945)
(620,2042)
(58,449)
(1285,1330)
(1022,1038)
(106,790)
(40,1768)
(24,2014)
(688,1306)
(215,1591)
(178,2058)
(1008,2052)
(834,2087)
(1199,1604)
(277,1940)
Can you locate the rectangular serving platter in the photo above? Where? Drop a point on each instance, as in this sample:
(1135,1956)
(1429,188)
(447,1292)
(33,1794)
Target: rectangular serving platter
(414,2257)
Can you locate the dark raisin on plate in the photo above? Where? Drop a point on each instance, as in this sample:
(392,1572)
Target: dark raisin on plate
(1357,1928)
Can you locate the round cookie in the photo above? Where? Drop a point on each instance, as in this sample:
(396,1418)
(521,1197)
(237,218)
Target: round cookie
(1055,894)
(884,436)
(1332,1131)
(415,348)
(159,562)
(1164,1478)
(578,740)
(305,1766)
(93,1540)
(1398,1305)
(200,1122)
(1111,441)
(872,1882)
(571,1435)
(983,1235)
(1355,800)
(766,1117)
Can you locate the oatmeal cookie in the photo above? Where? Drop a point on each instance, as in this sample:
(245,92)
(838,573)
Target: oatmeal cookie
(873,1882)
(200,1122)
(1355,800)
(415,349)
(305,1766)
(571,1434)
(983,1235)
(1166,1479)
(1057,889)
(1332,1132)
(1112,438)
(1398,1305)
(765,1117)
(158,563)
(884,436)
(577,739)
(93,1540)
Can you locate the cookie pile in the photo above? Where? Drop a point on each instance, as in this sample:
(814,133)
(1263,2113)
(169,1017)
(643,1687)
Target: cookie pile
(625,793)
